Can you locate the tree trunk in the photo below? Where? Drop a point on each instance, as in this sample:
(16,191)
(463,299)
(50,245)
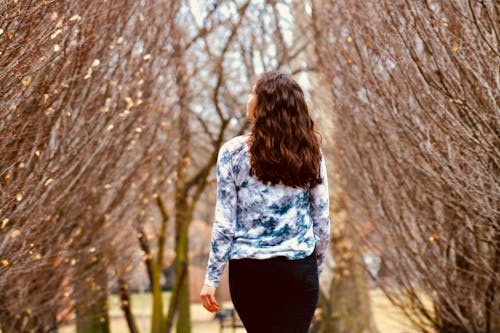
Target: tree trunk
(350,310)
(158,319)
(174,299)
(92,312)
(183,209)
(148,257)
(492,295)
(183,220)
(321,324)
(126,307)
(346,308)
(93,318)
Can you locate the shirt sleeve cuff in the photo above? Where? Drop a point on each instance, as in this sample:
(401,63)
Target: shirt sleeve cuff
(209,282)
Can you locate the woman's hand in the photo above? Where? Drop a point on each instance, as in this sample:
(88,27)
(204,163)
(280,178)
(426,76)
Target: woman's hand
(208,298)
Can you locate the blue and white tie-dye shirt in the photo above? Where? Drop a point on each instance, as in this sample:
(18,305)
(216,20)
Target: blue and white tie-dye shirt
(254,220)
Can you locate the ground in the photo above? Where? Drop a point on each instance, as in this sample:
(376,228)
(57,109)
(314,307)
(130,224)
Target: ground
(387,317)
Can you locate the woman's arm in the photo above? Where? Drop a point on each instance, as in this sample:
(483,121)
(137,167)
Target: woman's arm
(225,218)
(320,213)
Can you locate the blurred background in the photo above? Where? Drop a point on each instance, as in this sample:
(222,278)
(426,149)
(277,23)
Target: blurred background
(112,114)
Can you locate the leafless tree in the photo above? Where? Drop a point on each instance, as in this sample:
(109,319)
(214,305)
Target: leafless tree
(416,89)
(85,136)
(225,47)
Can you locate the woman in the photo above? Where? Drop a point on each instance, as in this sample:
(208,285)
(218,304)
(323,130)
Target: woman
(272,213)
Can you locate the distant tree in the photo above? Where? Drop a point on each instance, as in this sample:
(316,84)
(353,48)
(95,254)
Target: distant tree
(416,91)
(225,46)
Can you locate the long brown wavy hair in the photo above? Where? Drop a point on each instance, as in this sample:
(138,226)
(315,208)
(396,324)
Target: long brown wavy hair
(284,146)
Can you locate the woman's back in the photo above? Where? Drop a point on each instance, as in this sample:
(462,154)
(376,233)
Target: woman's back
(260,221)
(269,219)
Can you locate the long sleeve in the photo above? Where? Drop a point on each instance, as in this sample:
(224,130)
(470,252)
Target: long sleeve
(320,213)
(225,218)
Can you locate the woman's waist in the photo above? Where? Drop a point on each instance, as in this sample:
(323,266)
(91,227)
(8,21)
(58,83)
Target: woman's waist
(272,253)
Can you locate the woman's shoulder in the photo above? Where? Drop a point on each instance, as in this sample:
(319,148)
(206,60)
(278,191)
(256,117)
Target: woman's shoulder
(237,143)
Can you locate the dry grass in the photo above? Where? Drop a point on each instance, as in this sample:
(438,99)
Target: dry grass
(387,317)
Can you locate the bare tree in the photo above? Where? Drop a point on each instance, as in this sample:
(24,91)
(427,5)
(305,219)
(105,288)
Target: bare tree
(224,49)
(84,133)
(416,91)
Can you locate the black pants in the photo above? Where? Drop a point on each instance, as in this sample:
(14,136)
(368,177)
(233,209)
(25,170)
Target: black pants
(275,295)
